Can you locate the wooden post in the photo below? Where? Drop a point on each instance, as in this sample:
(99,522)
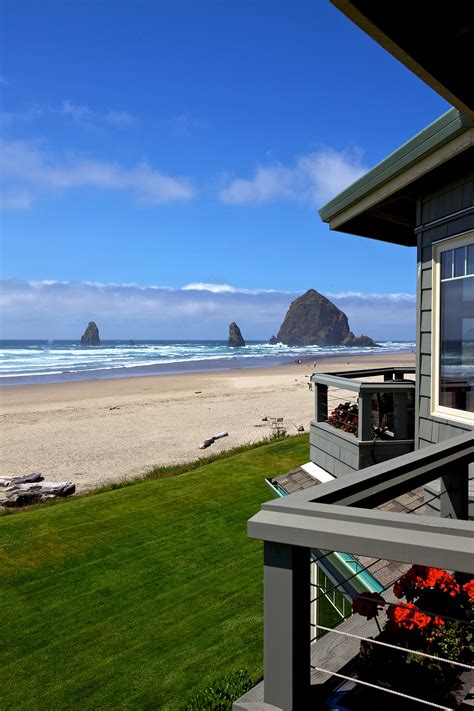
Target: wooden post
(321,402)
(454,493)
(400,412)
(365,416)
(287,630)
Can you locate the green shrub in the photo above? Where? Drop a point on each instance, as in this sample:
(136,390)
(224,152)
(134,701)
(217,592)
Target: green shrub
(221,693)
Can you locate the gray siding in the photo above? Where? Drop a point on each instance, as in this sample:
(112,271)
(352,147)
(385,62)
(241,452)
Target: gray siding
(438,217)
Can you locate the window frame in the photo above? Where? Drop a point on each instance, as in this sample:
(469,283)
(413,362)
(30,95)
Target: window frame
(437,410)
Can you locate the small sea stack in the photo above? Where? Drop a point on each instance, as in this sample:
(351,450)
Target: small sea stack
(235,336)
(273,341)
(91,337)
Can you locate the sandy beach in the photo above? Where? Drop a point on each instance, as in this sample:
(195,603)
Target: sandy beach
(104,431)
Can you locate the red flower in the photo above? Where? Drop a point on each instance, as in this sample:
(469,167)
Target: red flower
(368,605)
(469,589)
(420,577)
(408,616)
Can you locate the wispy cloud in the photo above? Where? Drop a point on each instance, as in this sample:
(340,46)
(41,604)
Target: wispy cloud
(80,114)
(58,309)
(15,201)
(313,178)
(27,166)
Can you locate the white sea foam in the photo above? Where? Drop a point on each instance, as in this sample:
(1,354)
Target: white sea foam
(33,359)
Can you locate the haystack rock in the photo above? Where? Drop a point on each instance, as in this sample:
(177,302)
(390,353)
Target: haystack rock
(90,337)
(235,337)
(314,320)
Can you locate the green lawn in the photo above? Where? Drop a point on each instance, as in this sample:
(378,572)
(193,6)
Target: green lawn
(136,598)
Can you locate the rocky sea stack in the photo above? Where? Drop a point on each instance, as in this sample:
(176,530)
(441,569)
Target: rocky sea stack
(235,337)
(90,337)
(314,320)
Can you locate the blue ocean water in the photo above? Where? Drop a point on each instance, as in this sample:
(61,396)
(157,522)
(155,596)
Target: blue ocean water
(52,361)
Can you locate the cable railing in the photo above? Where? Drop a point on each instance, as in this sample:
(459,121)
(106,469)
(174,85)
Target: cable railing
(348,514)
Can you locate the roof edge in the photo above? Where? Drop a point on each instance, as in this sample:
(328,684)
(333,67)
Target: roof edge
(435,135)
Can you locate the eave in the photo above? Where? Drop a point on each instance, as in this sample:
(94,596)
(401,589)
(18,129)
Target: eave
(382,204)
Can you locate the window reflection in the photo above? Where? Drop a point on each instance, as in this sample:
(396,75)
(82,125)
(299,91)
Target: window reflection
(457,330)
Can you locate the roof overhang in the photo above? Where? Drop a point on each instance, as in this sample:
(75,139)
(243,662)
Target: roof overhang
(382,204)
(434,41)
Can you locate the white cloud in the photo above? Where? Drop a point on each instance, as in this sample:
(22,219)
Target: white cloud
(313,178)
(224,289)
(84,114)
(27,165)
(78,113)
(15,201)
(57,309)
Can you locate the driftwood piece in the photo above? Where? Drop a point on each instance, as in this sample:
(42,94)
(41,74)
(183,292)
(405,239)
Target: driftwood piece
(207,443)
(18,498)
(210,440)
(18,495)
(54,488)
(29,478)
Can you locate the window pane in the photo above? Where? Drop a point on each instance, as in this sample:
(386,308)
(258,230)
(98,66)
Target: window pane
(470,259)
(457,345)
(459,264)
(447,264)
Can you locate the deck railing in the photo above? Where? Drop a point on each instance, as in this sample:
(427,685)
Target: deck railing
(362,417)
(340,516)
(363,385)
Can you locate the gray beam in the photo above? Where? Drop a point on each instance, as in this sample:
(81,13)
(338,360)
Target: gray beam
(426,540)
(287,631)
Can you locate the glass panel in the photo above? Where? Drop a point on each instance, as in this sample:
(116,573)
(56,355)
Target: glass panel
(459,261)
(447,264)
(470,259)
(457,345)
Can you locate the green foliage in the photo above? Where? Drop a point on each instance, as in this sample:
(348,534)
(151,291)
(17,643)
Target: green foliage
(219,695)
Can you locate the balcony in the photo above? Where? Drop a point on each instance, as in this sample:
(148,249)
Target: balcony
(351,514)
(362,418)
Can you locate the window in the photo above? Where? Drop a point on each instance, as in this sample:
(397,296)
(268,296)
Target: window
(452,379)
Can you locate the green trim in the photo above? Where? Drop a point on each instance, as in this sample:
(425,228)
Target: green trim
(441,131)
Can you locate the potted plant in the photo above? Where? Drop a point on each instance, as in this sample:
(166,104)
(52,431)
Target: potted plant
(433,622)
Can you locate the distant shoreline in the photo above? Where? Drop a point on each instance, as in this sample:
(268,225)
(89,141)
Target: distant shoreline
(191,366)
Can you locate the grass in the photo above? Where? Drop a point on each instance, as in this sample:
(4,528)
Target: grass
(138,597)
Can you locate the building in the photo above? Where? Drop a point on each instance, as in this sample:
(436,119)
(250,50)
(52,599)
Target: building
(421,196)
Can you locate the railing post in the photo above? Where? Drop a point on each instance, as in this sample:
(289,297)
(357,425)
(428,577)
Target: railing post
(387,377)
(321,402)
(365,416)
(454,493)
(400,412)
(287,595)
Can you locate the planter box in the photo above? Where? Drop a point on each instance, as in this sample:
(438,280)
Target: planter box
(341,453)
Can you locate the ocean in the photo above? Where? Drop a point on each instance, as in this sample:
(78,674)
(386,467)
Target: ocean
(24,362)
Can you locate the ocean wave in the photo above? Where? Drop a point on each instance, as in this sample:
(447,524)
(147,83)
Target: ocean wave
(42,359)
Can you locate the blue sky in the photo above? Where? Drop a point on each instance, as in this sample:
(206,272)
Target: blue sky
(176,143)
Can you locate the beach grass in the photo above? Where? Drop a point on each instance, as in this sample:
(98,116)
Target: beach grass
(138,597)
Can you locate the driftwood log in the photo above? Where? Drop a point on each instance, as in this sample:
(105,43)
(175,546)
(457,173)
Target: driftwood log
(21,492)
(210,440)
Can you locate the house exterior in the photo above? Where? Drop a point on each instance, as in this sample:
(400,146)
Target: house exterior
(422,197)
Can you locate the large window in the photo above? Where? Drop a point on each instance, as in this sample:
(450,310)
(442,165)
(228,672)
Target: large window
(453,329)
